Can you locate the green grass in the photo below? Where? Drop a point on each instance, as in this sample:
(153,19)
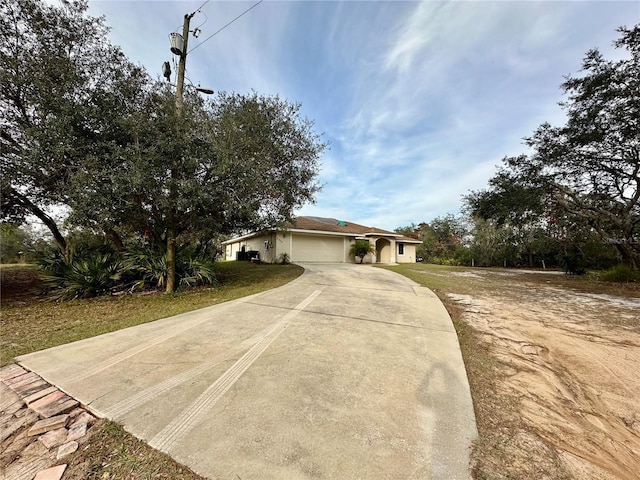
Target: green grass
(29,322)
(441,278)
(113,454)
(619,273)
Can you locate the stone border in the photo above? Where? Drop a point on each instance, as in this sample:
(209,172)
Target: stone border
(57,421)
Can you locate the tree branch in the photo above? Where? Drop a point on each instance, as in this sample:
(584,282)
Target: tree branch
(26,203)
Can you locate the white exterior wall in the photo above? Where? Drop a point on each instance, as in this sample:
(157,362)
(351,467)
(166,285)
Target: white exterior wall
(282,244)
(409,255)
(264,245)
(267,250)
(231,249)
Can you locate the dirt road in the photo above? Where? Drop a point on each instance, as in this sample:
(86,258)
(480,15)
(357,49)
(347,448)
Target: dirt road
(571,361)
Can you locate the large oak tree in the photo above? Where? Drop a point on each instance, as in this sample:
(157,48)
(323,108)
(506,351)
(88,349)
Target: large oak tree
(234,163)
(64,90)
(588,169)
(85,129)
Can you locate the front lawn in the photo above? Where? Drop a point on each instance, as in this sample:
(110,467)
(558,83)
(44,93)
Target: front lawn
(29,322)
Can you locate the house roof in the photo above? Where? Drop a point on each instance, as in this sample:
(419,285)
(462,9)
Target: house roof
(334,226)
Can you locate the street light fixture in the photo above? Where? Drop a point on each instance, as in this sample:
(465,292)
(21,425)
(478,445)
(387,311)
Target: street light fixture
(206,91)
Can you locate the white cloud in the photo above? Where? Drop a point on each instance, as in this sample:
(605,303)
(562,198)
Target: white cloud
(420,100)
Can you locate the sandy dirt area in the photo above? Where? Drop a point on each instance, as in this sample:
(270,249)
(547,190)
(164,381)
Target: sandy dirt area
(572,359)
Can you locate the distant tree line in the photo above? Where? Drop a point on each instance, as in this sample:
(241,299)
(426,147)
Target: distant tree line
(88,134)
(574,200)
(463,240)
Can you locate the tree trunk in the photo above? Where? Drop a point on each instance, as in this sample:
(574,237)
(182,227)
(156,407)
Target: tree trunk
(627,256)
(114,239)
(46,219)
(171,260)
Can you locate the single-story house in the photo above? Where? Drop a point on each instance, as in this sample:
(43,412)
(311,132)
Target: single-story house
(318,239)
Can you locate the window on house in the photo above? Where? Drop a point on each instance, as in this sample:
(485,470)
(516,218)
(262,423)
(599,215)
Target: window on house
(401,249)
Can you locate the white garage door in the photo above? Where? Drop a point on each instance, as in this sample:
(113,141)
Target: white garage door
(310,248)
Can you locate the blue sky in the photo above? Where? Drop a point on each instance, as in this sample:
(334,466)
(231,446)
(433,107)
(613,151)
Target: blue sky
(419,101)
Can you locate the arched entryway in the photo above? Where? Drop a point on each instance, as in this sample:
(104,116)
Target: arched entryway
(383,251)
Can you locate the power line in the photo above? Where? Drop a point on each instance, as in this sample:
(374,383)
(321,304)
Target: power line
(177,29)
(215,33)
(197,9)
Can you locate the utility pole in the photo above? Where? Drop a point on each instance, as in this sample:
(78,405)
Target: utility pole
(183,62)
(171,232)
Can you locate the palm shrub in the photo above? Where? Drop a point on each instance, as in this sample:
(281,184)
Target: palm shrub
(361,248)
(87,273)
(91,272)
(284,259)
(147,268)
(194,271)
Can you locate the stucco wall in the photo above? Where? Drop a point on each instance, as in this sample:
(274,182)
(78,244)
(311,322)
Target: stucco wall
(409,255)
(264,244)
(282,243)
(231,248)
(307,247)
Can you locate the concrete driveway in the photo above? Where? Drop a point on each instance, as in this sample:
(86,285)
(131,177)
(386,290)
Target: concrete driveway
(348,372)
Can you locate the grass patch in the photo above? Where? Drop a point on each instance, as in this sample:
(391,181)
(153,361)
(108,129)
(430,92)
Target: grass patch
(619,273)
(111,453)
(30,323)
